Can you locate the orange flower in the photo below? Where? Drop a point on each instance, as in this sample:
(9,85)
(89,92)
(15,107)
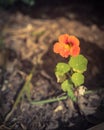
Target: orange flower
(67,46)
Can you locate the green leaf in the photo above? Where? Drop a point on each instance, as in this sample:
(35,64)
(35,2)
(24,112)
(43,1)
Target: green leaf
(62,68)
(60,77)
(67,86)
(78,63)
(71,95)
(77,79)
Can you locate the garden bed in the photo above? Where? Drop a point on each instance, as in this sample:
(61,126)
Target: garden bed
(28,36)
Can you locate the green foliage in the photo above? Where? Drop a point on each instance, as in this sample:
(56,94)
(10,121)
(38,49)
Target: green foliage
(71,75)
(61,70)
(70,93)
(77,79)
(60,77)
(78,63)
(67,86)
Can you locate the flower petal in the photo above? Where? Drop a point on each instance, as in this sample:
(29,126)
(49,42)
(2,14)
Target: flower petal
(74,51)
(65,50)
(73,40)
(65,53)
(62,49)
(63,38)
(57,47)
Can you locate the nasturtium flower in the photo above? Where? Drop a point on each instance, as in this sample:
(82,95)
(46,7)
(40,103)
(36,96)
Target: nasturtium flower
(67,45)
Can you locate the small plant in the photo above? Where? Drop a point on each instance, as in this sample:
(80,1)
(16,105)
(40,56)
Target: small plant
(70,74)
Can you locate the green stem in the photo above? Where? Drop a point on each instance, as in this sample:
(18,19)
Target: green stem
(61,98)
(89,91)
(94,91)
(49,100)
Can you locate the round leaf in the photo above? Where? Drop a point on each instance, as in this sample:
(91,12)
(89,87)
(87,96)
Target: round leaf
(62,68)
(60,77)
(67,86)
(78,63)
(77,79)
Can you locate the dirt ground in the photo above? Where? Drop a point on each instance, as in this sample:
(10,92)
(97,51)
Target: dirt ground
(28,36)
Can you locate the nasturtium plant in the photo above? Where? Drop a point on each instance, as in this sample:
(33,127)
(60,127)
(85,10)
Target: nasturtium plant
(70,74)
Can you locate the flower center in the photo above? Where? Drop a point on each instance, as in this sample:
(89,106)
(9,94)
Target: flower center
(68,46)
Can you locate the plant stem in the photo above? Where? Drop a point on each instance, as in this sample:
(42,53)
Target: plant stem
(49,100)
(61,98)
(94,91)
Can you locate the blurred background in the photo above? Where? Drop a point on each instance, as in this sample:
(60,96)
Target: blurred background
(28,31)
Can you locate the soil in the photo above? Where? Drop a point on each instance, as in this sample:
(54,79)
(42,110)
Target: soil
(28,35)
